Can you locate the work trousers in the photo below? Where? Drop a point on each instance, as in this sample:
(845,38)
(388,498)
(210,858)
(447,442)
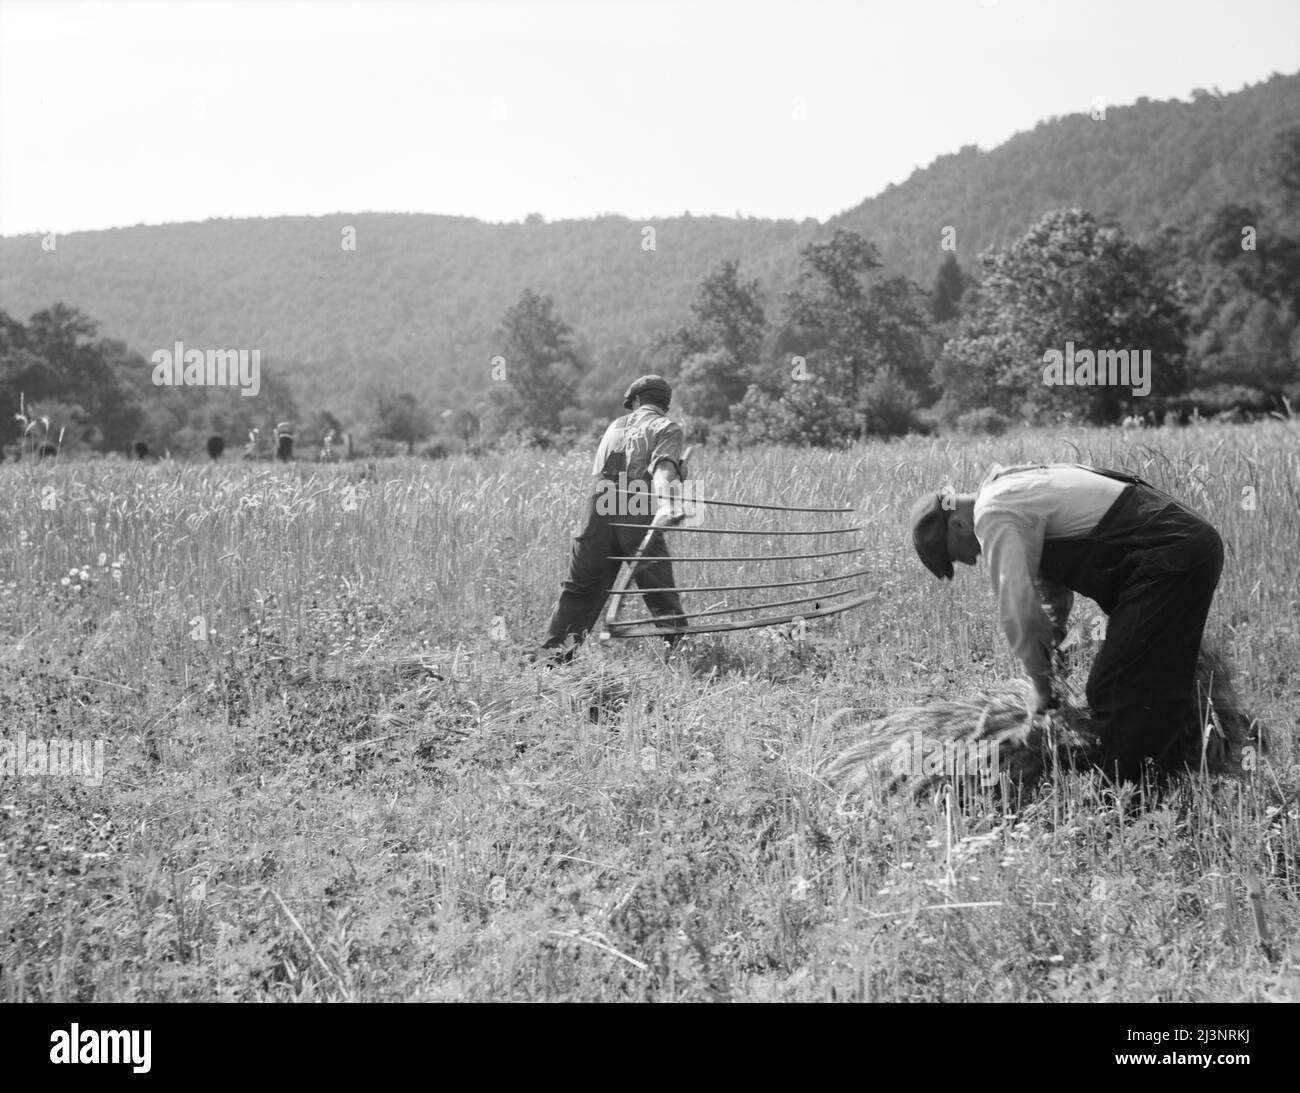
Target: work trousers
(592,574)
(1152,566)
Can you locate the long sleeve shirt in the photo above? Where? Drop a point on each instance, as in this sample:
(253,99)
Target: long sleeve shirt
(1017,509)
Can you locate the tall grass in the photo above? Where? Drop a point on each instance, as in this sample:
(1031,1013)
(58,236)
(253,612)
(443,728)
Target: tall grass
(332,774)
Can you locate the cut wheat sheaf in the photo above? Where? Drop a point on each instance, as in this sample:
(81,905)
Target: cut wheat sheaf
(993,737)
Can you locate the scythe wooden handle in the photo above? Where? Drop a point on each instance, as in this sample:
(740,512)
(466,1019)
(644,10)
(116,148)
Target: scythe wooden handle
(630,567)
(629,571)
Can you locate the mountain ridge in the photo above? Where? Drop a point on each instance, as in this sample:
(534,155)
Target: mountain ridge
(418,303)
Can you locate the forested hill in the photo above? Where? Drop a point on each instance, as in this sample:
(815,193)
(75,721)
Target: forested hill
(1149,165)
(420,300)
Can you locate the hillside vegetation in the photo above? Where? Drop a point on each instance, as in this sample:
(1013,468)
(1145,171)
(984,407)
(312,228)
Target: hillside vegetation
(418,303)
(1149,166)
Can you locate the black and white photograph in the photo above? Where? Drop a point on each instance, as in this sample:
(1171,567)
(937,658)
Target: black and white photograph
(512,501)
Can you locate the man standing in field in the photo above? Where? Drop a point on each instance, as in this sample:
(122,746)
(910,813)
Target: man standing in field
(641,454)
(1151,564)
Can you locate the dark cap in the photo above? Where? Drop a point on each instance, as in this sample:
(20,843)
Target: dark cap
(929,522)
(655,386)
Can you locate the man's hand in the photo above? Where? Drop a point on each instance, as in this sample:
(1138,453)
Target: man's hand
(669,513)
(1044,700)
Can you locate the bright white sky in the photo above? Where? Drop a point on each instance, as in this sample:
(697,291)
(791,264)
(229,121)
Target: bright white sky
(116,113)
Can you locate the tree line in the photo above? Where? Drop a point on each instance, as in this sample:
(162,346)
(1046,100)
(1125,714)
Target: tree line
(854,351)
(850,350)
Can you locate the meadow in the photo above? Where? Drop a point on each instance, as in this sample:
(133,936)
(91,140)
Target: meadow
(331,773)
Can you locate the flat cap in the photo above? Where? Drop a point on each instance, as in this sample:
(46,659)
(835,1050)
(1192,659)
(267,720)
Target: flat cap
(929,522)
(648,385)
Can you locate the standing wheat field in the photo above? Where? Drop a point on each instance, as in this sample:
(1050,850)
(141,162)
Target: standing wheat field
(327,770)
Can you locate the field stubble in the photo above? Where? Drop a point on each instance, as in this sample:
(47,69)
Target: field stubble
(330,775)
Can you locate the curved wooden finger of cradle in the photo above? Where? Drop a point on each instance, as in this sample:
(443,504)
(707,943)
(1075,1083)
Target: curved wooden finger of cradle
(740,504)
(649,629)
(686,530)
(739,587)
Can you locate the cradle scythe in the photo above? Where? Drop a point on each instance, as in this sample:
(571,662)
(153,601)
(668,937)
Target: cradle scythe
(614,627)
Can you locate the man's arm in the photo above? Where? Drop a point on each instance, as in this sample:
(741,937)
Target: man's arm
(667,492)
(665,460)
(1013,545)
(1057,601)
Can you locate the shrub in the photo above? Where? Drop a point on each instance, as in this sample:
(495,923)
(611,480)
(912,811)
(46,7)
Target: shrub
(889,406)
(985,421)
(805,415)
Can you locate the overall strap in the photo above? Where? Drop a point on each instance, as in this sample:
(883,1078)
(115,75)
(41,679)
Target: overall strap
(626,447)
(1120,476)
(615,455)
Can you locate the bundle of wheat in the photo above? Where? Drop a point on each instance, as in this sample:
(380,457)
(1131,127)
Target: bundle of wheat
(994,738)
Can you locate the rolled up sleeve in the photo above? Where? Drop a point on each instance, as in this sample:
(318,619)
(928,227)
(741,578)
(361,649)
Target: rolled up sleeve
(667,442)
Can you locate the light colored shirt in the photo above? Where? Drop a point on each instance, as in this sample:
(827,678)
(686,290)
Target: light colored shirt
(1017,509)
(645,437)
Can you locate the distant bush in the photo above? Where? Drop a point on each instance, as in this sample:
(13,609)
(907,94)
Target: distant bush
(1229,396)
(806,415)
(377,447)
(529,436)
(889,406)
(985,421)
(1220,398)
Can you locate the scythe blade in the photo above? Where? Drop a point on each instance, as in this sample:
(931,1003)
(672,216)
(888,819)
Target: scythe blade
(648,629)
